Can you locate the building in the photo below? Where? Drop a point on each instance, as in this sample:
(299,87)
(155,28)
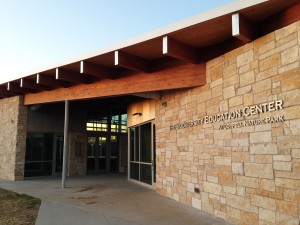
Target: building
(206,111)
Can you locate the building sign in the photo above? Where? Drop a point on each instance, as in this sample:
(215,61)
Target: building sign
(240,113)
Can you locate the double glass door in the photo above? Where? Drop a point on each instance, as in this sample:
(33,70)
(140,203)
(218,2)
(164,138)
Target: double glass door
(96,154)
(142,154)
(102,154)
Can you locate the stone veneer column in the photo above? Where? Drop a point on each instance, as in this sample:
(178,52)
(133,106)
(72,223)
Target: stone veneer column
(77,154)
(13,129)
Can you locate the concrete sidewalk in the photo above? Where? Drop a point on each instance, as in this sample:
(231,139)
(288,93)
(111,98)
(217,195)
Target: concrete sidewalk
(106,200)
(54,213)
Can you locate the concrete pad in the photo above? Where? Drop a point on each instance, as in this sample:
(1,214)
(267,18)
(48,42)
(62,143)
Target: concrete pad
(54,213)
(107,198)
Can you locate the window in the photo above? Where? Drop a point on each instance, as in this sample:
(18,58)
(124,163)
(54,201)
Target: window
(118,124)
(115,123)
(97,125)
(39,154)
(124,123)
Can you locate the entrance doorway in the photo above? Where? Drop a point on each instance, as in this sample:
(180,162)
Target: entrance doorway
(105,143)
(96,154)
(142,154)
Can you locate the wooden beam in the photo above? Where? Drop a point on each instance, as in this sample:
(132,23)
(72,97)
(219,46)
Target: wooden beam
(51,81)
(180,50)
(26,83)
(184,76)
(242,28)
(280,19)
(131,62)
(151,95)
(96,70)
(16,88)
(72,77)
(4,92)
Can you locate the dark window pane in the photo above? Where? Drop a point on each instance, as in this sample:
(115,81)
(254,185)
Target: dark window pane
(48,147)
(131,144)
(91,146)
(114,165)
(102,164)
(137,144)
(33,169)
(91,164)
(114,146)
(102,147)
(59,153)
(134,171)
(146,174)
(39,154)
(145,150)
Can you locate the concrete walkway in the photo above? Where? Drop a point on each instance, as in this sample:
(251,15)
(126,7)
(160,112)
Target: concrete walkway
(106,200)
(54,213)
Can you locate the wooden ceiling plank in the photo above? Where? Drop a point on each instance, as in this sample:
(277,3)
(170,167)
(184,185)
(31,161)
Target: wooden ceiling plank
(26,83)
(179,50)
(242,28)
(131,62)
(96,70)
(51,81)
(73,77)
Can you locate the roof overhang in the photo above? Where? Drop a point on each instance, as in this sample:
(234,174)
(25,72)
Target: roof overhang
(149,63)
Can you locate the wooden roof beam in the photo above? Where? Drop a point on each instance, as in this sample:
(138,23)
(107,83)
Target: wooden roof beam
(281,19)
(96,70)
(26,83)
(72,77)
(179,50)
(51,81)
(3,96)
(131,62)
(242,28)
(157,95)
(17,89)
(5,93)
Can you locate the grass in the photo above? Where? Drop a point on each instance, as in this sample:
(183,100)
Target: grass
(18,209)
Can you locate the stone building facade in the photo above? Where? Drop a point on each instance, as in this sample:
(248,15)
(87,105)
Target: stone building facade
(248,171)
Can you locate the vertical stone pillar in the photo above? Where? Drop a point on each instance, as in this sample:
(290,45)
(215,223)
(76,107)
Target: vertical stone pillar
(13,130)
(21,140)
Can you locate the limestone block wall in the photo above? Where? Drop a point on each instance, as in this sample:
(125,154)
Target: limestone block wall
(13,129)
(77,154)
(242,168)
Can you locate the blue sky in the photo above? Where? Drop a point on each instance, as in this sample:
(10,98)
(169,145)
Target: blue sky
(37,33)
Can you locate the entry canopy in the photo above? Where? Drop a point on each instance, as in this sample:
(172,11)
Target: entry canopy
(169,58)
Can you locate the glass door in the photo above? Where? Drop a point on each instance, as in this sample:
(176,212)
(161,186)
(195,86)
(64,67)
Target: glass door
(142,154)
(96,154)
